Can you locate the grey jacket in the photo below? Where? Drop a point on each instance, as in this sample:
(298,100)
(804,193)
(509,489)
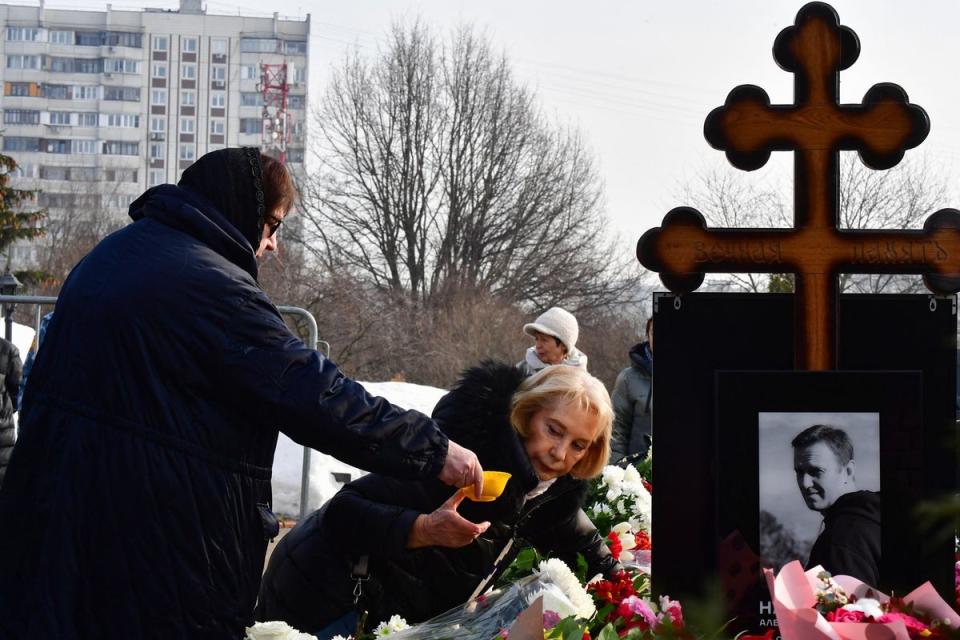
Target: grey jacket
(632,404)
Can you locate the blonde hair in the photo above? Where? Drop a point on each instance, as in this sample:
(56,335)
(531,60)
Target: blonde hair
(560,385)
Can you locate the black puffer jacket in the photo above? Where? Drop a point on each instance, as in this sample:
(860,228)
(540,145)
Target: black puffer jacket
(10,367)
(307,582)
(137,502)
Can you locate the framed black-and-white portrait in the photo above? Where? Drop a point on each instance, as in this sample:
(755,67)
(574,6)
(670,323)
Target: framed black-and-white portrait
(821,467)
(842,451)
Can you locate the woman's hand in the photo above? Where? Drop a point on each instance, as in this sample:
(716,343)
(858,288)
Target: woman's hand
(461,468)
(444,527)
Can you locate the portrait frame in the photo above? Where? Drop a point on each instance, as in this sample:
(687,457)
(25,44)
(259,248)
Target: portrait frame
(894,397)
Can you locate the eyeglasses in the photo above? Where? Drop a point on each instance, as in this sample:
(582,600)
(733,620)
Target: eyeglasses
(273,224)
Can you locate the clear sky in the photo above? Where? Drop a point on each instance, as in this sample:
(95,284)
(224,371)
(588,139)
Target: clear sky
(639,77)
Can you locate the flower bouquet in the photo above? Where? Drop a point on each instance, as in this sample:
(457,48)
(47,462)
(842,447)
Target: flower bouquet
(813,605)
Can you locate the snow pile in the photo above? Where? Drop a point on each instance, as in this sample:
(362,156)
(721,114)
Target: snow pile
(288,460)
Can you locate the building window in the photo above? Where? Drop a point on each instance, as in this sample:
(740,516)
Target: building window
(124,120)
(297,102)
(120,175)
(295,47)
(23,62)
(87,119)
(85,146)
(90,38)
(218,72)
(159,70)
(217,127)
(186,125)
(187,152)
(60,117)
(189,45)
(251,125)
(23,34)
(127,94)
(259,45)
(299,75)
(159,43)
(218,46)
(218,100)
(118,148)
(58,146)
(14,143)
(60,37)
(125,39)
(188,71)
(86,92)
(156,151)
(188,98)
(249,72)
(154,177)
(121,65)
(19,89)
(251,99)
(158,125)
(158,96)
(21,116)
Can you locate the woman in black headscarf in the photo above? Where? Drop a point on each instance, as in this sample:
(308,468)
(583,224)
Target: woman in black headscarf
(137,502)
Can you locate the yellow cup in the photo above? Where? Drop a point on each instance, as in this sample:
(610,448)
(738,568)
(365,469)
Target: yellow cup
(494,483)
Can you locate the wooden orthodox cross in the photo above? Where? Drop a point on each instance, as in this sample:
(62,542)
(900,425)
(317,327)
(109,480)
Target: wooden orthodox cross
(816,128)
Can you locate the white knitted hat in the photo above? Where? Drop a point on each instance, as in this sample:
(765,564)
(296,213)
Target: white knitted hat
(558,323)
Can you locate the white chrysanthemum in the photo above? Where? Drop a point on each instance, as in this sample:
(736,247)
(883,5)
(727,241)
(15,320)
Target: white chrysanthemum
(394,624)
(339,637)
(632,475)
(612,475)
(868,606)
(613,493)
(556,572)
(275,630)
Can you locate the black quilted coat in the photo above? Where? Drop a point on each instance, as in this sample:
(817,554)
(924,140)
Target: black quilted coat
(137,502)
(307,582)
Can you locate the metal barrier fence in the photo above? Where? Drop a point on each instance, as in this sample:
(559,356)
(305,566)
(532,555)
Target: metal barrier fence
(312,342)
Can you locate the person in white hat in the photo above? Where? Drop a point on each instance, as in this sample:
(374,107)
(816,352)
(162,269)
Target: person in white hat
(555,334)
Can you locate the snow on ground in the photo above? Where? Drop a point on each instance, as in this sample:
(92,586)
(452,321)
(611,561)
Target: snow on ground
(288,460)
(22,337)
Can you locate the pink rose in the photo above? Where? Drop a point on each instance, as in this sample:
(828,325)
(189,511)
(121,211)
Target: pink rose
(911,623)
(844,615)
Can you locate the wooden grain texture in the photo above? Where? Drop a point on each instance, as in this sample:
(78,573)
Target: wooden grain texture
(815,128)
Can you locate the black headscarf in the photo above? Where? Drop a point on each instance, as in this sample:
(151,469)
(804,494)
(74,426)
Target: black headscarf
(232,180)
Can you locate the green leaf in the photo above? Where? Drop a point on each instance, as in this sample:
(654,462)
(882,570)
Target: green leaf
(608,633)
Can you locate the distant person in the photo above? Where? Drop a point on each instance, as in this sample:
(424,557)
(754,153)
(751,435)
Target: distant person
(32,355)
(10,368)
(632,401)
(422,548)
(849,542)
(555,334)
(138,498)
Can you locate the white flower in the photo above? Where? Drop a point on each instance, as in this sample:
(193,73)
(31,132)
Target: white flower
(394,624)
(554,571)
(868,606)
(612,475)
(275,630)
(613,493)
(339,637)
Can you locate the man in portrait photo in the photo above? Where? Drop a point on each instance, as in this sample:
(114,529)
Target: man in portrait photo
(849,539)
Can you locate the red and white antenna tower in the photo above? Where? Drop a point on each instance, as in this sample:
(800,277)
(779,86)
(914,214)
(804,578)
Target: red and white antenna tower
(276,118)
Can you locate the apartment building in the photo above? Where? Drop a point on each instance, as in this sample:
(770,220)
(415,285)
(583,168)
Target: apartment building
(99,105)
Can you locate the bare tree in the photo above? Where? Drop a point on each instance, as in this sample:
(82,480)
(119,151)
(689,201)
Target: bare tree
(899,198)
(439,173)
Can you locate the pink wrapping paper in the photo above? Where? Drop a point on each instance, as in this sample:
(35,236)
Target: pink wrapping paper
(794,596)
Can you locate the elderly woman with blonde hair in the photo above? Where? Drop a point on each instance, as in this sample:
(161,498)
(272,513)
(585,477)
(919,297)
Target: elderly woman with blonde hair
(417,550)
